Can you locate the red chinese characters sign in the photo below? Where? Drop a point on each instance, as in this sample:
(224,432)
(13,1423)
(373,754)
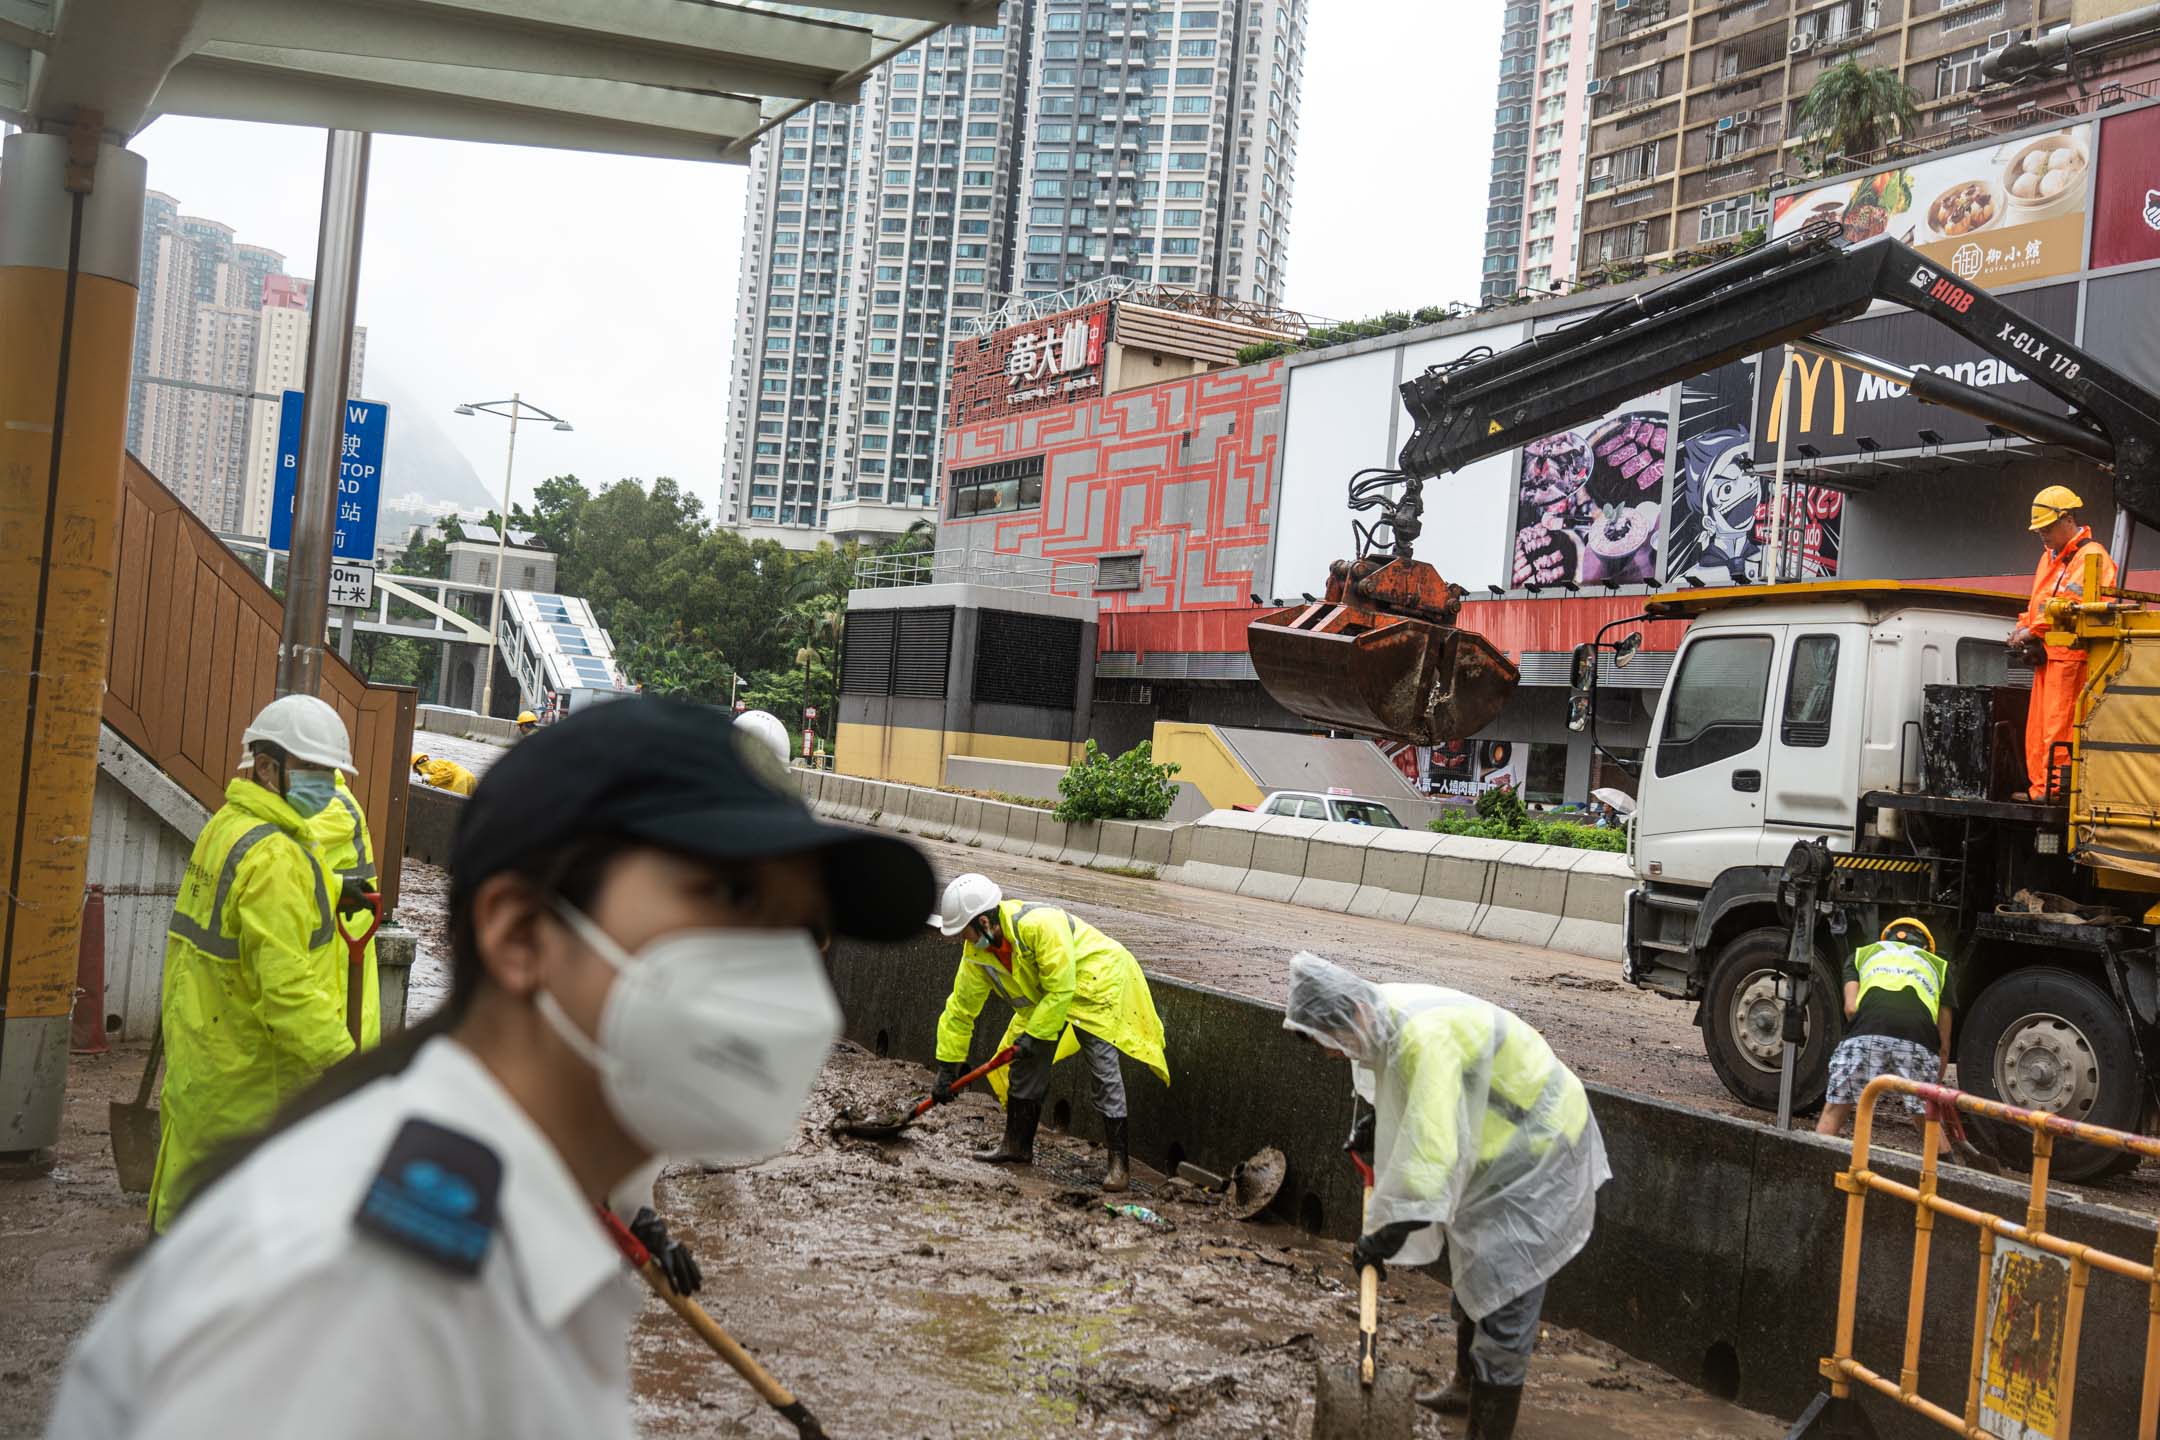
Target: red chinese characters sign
(1052,361)
(2126,223)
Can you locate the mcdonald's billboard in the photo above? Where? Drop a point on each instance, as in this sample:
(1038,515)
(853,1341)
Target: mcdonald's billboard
(1834,406)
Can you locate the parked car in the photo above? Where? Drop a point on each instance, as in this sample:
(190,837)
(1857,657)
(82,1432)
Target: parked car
(1310,805)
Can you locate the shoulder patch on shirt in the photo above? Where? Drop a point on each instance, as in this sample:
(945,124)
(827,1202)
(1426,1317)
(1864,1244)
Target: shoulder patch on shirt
(435,1197)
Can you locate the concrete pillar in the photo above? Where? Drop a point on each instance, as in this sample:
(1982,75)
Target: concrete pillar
(1579,753)
(70,242)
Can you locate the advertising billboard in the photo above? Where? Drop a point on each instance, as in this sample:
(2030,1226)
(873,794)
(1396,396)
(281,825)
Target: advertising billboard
(1052,361)
(2126,214)
(1718,527)
(1835,406)
(2001,214)
(1589,501)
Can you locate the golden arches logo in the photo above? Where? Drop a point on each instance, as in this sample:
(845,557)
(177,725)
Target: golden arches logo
(1810,368)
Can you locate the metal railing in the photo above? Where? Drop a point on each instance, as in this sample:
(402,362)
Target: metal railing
(975,567)
(2105,96)
(2041,1275)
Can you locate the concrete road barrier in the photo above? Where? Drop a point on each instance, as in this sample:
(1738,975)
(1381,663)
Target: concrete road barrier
(1544,895)
(1716,1250)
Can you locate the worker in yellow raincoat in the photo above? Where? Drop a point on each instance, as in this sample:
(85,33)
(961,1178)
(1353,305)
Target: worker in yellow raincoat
(254,990)
(1073,990)
(339,836)
(444,774)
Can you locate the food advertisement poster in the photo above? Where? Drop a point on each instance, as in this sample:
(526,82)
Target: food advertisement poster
(2001,214)
(1466,769)
(2021,1367)
(2126,219)
(1587,507)
(1718,529)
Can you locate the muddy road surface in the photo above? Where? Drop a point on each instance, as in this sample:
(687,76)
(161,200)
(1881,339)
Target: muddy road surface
(904,1290)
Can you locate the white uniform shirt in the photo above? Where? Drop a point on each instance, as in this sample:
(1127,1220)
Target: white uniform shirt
(265,1312)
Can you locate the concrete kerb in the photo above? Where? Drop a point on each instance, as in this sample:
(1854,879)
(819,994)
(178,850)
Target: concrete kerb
(1021,822)
(1114,845)
(1334,865)
(1083,842)
(1716,1249)
(1393,880)
(1221,850)
(1596,898)
(1278,862)
(1050,837)
(967,820)
(1527,896)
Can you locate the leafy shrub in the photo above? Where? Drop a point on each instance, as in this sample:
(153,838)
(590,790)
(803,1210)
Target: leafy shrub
(1500,814)
(1264,350)
(1131,787)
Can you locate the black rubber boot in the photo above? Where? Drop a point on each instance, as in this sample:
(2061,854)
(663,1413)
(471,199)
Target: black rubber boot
(1454,1398)
(1119,1175)
(1492,1411)
(1018,1146)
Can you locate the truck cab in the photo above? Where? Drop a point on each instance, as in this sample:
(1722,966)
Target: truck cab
(1797,713)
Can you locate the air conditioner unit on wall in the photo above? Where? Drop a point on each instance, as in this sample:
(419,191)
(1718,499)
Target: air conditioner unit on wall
(1800,41)
(1742,117)
(2001,39)
(1594,87)
(1725,122)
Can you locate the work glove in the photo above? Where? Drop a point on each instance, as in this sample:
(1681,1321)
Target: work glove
(671,1255)
(1027,1047)
(941,1089)
(1380,1246)
(1360,1143)
(354,898)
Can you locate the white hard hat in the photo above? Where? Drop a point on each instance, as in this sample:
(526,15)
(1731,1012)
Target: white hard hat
(768,730)
(968,896)
(306,729)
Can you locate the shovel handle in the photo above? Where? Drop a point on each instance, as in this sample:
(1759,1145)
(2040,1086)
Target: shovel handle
(1368,1312)
(998,1061)
(741,1361)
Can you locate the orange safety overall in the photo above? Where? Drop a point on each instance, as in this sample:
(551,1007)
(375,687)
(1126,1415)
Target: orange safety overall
(2057,680)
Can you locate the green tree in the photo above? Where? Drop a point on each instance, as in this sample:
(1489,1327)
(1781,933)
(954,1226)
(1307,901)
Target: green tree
(558,502)
(1853,109)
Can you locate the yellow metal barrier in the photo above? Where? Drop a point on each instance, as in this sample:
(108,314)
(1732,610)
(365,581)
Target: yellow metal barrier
(2037,1282)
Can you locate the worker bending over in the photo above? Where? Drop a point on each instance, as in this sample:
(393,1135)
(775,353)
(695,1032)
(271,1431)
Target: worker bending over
(527,724)
(1897,1022)
(253,1007)
(2058,669)
(443,774)
(1481,1141)
(413,1248)
(1055,970)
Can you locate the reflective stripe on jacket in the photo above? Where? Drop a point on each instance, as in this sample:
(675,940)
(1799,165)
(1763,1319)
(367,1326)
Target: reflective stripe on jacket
(1893,965)
(2062,573)
(1530,1092)
(339,835)
(254,987)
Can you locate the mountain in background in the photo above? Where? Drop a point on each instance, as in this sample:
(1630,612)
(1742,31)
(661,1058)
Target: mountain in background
(425,477)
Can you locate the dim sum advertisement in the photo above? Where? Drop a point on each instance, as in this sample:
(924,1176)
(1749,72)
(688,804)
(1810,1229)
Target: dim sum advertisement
(2001,214)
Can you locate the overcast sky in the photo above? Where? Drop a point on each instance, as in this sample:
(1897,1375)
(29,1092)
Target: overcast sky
(604,288)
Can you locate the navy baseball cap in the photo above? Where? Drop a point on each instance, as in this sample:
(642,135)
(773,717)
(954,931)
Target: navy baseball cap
(678,776)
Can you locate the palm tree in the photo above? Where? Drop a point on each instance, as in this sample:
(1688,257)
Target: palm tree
(1851,110)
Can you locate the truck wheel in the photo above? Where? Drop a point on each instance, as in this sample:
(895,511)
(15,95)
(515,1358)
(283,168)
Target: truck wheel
(1743,1023)
(2050,1039)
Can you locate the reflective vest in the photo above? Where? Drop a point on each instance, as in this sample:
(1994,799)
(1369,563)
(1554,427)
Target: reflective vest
(1061,971)
(1530,1096)
(2062,573)
(1894,965)
(339,835)
(253,1002)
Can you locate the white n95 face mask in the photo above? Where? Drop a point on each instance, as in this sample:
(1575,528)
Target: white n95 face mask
(709,1040)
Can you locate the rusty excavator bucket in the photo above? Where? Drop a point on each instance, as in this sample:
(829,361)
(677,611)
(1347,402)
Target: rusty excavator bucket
(1382,654)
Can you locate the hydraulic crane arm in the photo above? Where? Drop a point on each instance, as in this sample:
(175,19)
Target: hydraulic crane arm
(1783,291)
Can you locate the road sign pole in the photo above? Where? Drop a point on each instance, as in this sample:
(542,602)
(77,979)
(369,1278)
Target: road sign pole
(348,621)
(322,435)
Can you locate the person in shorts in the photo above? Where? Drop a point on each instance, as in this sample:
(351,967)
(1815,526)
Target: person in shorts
(1897,1020)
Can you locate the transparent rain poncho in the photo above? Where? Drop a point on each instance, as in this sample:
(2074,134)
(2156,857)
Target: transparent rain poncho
(1482,1135)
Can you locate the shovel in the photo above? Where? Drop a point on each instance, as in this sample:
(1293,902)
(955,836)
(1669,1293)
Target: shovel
(883,1127)
(136,1127)
(771,1391)
(369,903)
(1363,1401)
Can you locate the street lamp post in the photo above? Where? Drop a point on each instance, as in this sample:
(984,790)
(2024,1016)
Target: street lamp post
(509,409)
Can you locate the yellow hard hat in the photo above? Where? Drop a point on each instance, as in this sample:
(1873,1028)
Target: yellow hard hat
(526,717)
(1908,923)
(2053,504)
(419,759)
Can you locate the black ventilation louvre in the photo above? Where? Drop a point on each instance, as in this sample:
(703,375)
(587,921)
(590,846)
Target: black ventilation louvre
(1026,660)
(923,653)
(897,652)
(866,658)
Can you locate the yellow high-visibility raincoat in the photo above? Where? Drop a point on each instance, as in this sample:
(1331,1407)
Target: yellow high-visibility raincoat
(254,992)
(1063,971)
(339,836)
(445,774)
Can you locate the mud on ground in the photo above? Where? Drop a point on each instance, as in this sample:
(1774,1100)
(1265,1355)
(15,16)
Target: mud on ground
(904,1290)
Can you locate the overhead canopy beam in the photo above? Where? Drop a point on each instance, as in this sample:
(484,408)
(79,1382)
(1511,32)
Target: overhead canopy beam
(239,82)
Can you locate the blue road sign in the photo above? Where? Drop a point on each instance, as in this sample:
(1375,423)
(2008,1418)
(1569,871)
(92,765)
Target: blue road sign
(367,423)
